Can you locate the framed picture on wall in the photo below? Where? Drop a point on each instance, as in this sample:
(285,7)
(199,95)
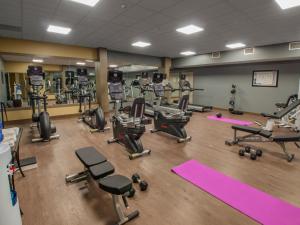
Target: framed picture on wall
(265,78)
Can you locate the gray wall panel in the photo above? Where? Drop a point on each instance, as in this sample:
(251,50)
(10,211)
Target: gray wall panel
(217,83)
(261,54)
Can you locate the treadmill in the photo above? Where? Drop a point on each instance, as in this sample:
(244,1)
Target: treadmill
(185,86)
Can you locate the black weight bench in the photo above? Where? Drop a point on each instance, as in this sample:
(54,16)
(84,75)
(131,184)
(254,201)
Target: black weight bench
(260,135)
(281,118)
(99,169)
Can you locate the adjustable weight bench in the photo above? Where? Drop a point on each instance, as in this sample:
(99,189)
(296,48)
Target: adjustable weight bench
(99,169)
(261,135)
(282,117)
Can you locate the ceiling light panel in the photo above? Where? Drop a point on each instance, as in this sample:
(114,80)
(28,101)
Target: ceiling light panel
(38,60)
(286,4)
(90,3)
(187,53)
(141,44)
(113,66)
(58,29)
(235,45)
(190,29)
(80,63)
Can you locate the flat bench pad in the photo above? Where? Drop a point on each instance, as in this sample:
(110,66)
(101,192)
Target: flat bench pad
(265,133)
(89,156)
(252,130)
(116,184)
(290,138)
(101,170)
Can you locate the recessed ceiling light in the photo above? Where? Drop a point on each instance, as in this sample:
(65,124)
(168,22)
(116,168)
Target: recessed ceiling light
(91,3)
(286,4)
(190,29)
(80,63)
(58,29)
(113,66)
(141,44)
(235,45)
(38,60)
(188,53)
(88,60)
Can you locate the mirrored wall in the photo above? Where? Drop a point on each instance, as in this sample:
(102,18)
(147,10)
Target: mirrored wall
(60,80)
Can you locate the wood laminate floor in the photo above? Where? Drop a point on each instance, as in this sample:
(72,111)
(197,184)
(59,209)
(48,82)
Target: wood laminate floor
(46,200)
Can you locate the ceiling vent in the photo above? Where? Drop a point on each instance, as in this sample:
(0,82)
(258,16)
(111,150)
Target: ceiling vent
(248,51)
(10,28)
(294,46)
(216,55)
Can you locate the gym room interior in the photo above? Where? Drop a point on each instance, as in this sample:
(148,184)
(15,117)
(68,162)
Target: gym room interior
(149,112)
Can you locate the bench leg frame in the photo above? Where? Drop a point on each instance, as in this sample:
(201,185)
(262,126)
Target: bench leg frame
(256,138)
(123,218)
(77,177)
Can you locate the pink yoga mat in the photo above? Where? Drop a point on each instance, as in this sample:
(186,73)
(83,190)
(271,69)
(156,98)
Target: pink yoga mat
(254,203)
(228,120)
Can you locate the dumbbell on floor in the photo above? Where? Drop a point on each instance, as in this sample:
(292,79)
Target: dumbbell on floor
(131,193)
(250,152)
(137,179)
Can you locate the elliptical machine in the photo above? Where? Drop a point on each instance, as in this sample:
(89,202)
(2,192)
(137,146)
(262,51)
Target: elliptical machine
(46,129)
(232,101)
(94,118)
(127,128)
(169,120)
(59,96)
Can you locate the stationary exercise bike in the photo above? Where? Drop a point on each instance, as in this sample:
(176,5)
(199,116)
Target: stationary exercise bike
(94,118)
(168,120)
(128,127)
(46,129)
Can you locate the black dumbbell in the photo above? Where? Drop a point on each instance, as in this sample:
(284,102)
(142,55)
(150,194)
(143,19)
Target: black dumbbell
(259,152)
(251,152)
(248,152)
(131,193)
(137,179)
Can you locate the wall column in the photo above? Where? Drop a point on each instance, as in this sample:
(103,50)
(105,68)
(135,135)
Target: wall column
(101,66)
(166,67)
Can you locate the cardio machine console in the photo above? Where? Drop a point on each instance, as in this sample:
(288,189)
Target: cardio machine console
(36,75)
(82,76)
(158,87)
(183,83)
(70,75)
(115,80)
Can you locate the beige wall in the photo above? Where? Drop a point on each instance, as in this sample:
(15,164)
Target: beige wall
(16,46)
(21,67)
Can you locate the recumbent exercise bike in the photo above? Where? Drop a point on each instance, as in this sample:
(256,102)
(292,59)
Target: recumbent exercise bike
(168,120)
(128,127)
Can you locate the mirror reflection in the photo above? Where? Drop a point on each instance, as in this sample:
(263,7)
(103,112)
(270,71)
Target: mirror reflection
(60,84)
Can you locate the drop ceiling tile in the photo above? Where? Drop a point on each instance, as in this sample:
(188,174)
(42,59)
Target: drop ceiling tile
(157,5)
